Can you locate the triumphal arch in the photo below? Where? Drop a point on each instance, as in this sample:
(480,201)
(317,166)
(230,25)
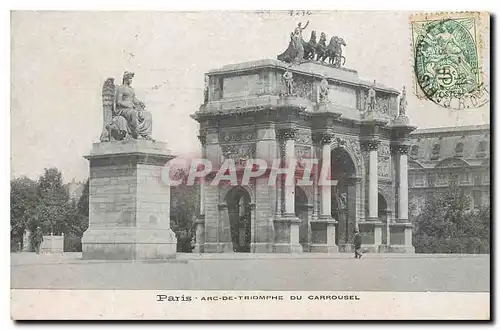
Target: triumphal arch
(297,110)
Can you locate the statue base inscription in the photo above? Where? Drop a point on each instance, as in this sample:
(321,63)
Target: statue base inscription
(129,205)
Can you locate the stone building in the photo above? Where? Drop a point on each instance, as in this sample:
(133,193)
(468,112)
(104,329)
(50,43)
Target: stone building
(449,156)
(270,110)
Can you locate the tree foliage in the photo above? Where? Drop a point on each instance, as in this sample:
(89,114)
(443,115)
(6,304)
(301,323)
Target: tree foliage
(45,203)
(184,202)
(448,225)
(23,200)
(53,203)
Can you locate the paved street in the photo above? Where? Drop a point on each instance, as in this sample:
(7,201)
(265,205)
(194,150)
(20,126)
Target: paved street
(375,272)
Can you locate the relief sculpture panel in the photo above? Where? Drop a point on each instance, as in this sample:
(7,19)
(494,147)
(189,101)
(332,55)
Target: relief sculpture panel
(384,159)
(239,152)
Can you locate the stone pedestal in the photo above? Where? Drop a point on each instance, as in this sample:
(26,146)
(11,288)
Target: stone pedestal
(323,235)
(129,204)
(371,235)
(287,234)
(52,244)
(401,238)
(200,234)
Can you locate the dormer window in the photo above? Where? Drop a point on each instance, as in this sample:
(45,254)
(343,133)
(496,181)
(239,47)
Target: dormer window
(481,149)
(459,149)
(436,149)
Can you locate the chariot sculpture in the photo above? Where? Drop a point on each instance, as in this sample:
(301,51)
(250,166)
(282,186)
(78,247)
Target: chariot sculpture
(299,51)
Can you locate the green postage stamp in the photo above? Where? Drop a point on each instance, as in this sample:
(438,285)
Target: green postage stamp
(447,50)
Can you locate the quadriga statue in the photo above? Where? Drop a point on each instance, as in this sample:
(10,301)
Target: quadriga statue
(125,116)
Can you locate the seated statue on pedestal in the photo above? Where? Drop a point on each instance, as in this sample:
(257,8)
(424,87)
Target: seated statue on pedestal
(125,116)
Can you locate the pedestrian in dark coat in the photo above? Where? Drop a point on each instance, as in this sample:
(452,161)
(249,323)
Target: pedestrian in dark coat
(357,245)
(37,239)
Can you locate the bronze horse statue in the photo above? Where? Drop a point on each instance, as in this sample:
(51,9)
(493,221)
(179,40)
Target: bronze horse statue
(334,52)
(310,47)
(320,48)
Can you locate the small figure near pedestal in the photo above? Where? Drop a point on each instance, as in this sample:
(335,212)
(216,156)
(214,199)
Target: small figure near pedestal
(357,245)
(37,239)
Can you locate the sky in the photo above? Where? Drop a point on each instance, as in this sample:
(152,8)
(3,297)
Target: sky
(59,61)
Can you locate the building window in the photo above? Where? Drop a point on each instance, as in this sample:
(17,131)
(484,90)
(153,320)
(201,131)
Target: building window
(476,199)
(419,180)
(465,178)
(442,179)
(459,149)
(453,178)
(486,178)
(481,149)
(431,178)
(414,152)
(436,149)
(476,179)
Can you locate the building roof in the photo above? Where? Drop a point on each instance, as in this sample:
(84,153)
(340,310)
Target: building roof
(431,146)
(453,129)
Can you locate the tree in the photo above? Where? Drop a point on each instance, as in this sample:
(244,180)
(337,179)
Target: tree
(23,200)
(77,221)
(184,202)
(83,202)
(53,203)
(448,225)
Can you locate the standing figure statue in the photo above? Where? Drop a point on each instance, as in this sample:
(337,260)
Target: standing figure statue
(371,102)
(295,51)
(205,90)
(403,103)
(298,41)
(343,201)
(323,91)
(288,78)
(125,116)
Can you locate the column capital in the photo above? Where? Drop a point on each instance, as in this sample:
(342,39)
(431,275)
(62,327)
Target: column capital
(322,138)
(370,145)
(401,149)
(222,206)
(287,134)
(203,139)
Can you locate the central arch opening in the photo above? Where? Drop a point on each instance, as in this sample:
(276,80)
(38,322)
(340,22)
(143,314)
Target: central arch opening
(240,214)
(343,196)
(383,216)
(302,212)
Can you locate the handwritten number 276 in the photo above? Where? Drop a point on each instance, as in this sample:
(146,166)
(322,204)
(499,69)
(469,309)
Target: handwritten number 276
(299,13)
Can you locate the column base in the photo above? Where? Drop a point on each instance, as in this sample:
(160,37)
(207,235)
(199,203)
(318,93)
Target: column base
(349,248)
(261,247)
(287,248)
(324,248)
(218,248)
(129,243)
(402,249)
(288,234)
(371,248)
(384,248)
(199,248)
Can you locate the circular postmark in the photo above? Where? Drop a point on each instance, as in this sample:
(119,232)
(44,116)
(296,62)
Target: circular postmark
(447,64)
